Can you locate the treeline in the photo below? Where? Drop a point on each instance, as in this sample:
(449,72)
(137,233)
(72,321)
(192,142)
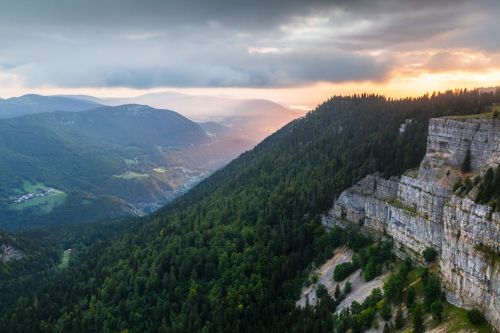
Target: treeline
(231,254)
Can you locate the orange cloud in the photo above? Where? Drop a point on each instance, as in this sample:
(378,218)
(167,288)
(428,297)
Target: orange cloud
(446,61)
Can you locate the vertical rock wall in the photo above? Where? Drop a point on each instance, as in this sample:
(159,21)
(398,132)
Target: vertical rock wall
(422,212)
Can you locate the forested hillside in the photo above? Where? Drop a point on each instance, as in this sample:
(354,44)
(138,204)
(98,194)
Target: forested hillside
(46,252)
(232,253)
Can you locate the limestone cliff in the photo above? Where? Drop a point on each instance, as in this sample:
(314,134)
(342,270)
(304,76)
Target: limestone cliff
(9,253)
(419,210)
(9,249)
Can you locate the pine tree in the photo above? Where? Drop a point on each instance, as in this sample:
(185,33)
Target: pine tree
(399,322)
(410,297)
(337,293)
(487,189)
(386,311)
(347,287)
(418,320)
(370,271)
(437,310)
(497,182)
(466,165)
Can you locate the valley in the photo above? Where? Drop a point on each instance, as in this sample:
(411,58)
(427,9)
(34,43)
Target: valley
(113,161)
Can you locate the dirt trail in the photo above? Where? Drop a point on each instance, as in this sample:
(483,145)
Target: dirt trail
(325,276)
(360,288)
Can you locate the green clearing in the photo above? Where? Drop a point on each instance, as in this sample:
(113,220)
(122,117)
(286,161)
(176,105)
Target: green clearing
(456,320)
(28,187)
(160,170)
(44,203)
(86,202)
(486,115)
(132,175)
(65,259)
(130,162)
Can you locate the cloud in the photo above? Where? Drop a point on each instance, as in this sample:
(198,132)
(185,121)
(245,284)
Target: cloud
(224,43)
(142,35)
(462,61)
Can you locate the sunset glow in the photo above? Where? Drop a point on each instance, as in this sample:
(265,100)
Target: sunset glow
(297,55)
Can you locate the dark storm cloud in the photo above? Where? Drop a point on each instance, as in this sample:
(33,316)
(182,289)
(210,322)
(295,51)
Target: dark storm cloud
(222,43)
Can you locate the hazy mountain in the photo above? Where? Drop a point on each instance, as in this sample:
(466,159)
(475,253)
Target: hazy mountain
(251,119)
(108,161)
(28,104)
(213,128)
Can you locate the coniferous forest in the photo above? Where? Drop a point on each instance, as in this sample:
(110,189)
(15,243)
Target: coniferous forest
(232,254)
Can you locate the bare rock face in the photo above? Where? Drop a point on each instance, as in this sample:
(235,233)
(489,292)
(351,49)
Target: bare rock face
(471,275)
(9,253)
(421,211)
(449,140)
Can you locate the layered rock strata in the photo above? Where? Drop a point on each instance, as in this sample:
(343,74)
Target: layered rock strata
(419,210)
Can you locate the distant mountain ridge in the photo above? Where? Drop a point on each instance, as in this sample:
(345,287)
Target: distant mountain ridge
(31,103)
(130,124)
(252,119)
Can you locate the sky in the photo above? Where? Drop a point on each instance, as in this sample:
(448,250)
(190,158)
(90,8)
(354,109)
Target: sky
(294,52)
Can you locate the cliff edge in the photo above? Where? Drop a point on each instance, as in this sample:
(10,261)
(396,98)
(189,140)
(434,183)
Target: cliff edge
(420,210)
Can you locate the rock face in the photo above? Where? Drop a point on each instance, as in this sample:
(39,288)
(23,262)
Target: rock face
(419,210)
(9,248)
(9,253)
(449,140)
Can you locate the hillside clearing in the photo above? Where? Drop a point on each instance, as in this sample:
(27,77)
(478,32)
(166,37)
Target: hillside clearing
(132,175)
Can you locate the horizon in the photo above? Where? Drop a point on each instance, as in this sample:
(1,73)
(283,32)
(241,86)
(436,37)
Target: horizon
(296,108)
(292,53)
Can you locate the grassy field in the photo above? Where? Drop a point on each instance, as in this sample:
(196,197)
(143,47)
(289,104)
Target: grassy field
(65,259)
(486,115)
(160,170)
(132,175)
(45,204)
(456,320)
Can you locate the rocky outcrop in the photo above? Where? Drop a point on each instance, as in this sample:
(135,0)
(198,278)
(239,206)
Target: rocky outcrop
(9,253)
(421,211)
(449,141)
